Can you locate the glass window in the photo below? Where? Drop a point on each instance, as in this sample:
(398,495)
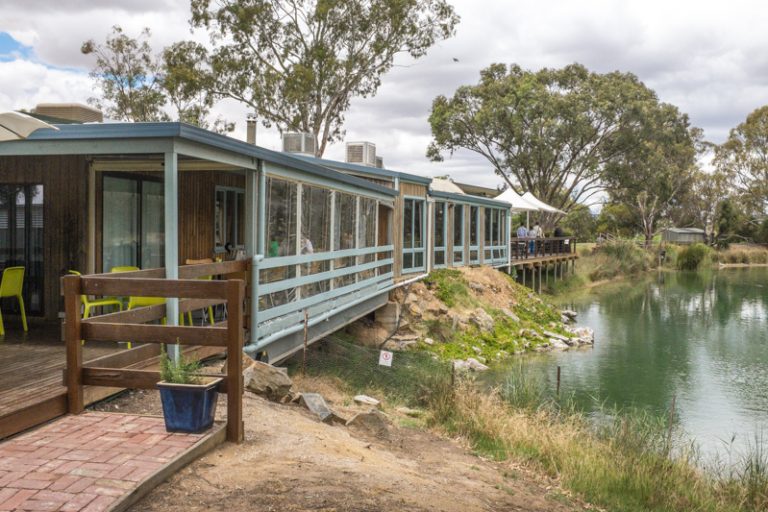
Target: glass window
(488,218)
(120,220)
(439,224)
(133,217)
(473,227)
(229,220)
(281,218)
(344,234)
(413,234)
(315,234)
(21,240)
(458,233)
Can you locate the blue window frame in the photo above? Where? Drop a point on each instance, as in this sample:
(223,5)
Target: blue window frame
(458,235)
(441,233)
(414,220)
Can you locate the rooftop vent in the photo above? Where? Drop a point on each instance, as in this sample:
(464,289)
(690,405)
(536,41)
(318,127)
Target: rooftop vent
(299,142)
(250,129)
(75,112)
(380,162)
(361,153)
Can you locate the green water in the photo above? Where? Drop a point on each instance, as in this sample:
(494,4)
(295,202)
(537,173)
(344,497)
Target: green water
(701,338)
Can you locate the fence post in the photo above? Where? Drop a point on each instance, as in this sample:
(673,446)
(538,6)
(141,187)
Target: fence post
(72,337)
(235,295)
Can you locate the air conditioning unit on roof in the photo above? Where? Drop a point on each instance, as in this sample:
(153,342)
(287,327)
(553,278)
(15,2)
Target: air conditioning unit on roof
(299,142)
(363,153)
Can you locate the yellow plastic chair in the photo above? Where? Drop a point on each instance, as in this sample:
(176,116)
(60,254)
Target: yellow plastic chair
(11,286)
(124,268)
(89,304)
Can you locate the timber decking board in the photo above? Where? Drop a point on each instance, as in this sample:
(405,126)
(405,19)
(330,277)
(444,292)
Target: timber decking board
(30,367)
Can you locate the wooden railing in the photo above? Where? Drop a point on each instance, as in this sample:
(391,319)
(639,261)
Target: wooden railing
(526,248)
(194,294)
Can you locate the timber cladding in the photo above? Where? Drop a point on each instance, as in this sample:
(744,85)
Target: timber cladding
(65,219)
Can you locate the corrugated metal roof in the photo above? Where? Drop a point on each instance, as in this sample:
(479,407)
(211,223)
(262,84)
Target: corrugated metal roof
(123,131)
(688,231)
(368,171)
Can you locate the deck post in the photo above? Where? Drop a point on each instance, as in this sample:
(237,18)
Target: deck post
(540,278)
(171,200)
(251,191)
(235,295)
(71,286)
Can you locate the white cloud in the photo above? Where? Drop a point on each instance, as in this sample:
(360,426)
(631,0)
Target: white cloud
(708,58)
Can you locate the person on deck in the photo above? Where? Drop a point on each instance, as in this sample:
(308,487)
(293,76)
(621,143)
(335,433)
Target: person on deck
(522,231)
(535,232)
(559,234)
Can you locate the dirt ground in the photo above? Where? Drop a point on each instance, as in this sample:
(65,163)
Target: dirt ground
(290,461)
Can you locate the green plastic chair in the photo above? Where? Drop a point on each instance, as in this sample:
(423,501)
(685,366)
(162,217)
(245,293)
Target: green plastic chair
(11,286)
(89,304)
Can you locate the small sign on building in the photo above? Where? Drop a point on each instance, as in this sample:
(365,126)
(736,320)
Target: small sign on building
(385,358)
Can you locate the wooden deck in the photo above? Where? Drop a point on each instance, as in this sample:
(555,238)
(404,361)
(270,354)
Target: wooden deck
(32,389)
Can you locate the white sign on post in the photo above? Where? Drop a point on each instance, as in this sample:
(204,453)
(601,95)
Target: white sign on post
(385,358)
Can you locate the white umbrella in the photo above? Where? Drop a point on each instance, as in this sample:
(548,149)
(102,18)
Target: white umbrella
(16,126)
(518,203)
(542,206)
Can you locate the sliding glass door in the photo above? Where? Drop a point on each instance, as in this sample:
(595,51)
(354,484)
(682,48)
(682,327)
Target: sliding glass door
(132,223)
(21,238)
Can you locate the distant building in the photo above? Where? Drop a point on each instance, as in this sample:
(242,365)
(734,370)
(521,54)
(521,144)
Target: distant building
(684,235)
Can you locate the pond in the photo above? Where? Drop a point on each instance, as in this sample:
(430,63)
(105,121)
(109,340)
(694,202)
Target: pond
(700,338)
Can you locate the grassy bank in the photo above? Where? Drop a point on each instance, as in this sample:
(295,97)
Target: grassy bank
(630,462)
(613,261)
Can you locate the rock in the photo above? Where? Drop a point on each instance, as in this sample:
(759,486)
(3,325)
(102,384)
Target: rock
(414,310)
(268,381)
(584,335)
(564,319)
(569,313)
(405,337)
(428,341)
(477,287)
(373,421)
(413,413)
(508,313)
(477,350)
(556,336)
(476,365)
(461,365)
(316,405)
(481,319)
(367,400)
(558,344)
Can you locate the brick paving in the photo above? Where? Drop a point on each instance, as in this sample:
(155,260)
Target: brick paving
(85,463)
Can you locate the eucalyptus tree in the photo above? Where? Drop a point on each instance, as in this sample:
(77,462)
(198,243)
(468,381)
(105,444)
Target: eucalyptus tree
(299,63)
(743,158)
(551,132)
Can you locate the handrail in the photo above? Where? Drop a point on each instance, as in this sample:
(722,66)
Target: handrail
(284,261)
(529,247)
(230,337)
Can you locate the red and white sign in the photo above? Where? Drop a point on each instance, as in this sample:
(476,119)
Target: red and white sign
(385,358)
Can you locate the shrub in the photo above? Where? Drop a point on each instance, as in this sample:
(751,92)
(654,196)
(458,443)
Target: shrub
(619,258)
(181,372)
(691,257)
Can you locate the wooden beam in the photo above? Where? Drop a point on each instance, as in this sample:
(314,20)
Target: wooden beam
(206,336)
(235,426)
(130,379)
(124,287)
(72,290)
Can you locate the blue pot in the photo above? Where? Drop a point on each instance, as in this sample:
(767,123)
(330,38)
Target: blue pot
(189,408)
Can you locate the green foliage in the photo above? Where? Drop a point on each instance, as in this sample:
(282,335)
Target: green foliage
(693,256)
(744,159)
(580,223)
(450,287)
(298,65)
(181,372)
(619,258)
(138,86)
(552,132)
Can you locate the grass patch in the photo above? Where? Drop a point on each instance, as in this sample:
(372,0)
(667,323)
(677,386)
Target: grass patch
(450,287)
(627,462)
(693,257)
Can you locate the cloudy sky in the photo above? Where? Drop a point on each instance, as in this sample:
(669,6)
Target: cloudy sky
(709,58)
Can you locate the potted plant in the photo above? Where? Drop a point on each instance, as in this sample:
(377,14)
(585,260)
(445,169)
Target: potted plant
(189,400)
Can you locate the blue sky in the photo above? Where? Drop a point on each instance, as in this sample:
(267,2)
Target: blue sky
(11,49)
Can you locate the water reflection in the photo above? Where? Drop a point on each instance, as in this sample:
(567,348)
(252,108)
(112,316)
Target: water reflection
(699,337)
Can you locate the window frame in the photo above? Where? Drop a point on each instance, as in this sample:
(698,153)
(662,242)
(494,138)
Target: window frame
(413,251)
(238,244)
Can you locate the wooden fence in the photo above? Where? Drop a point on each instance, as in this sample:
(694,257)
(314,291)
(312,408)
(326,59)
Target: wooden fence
(133,325)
